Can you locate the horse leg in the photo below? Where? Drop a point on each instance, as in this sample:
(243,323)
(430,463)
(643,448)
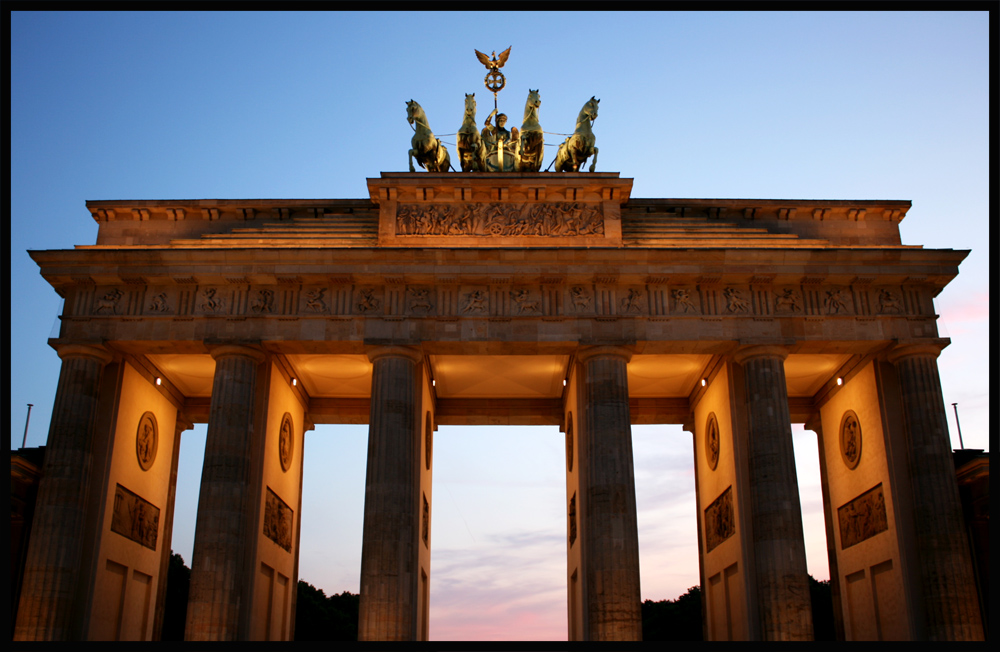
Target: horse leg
(594,164)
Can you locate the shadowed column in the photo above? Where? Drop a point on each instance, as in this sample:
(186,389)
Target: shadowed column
(782,583)
(53,566)
(947,587)
(389,548)
(218,587)
(610,534)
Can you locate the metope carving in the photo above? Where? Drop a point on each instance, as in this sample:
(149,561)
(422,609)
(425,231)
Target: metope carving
(314,300)
(278,520)
(263,302)
(580,297)
(210,301)
(524,305)
(108,304)
(863,517)
(420,300)
(788,301)
(159,303)
(367,301)
(682,301)
(888,302)
(286,441)
(135,518)
(850,439)
(735,301)
(835,302)
(500,219)
(146,441)
(719,521)
(632,304)
(475,302)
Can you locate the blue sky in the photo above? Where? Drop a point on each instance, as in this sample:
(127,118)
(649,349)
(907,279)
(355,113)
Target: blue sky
(813,105)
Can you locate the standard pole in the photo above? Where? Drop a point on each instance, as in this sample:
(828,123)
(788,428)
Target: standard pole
(960,444)
(24,442)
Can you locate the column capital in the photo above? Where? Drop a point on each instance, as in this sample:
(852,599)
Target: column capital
(411,353)
(93,351)
(585,353)
(222,349)
(907,348)
(750,351)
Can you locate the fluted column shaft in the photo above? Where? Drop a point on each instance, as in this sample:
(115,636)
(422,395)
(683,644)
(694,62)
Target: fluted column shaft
(52,571)
(218,586)
(948,594)
(610,534)
(389,548)
(782,583)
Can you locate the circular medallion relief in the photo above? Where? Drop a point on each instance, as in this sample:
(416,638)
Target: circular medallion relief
(850,439)
(712,442)
(146,439)
(286,440)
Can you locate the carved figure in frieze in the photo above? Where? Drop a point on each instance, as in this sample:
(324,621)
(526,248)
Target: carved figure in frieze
(159,303)
(263,302)
(682,301)
(836,302)
(286,441)
(135,518)
(523,305)
(580,298)
(862,517)
(632,303)
(735,301)
(314,300)
(109,303)
(475,301)
(420,300)
(850,439)
(788,301)
(367,302)
(889,302)
(210,302)
(712,442)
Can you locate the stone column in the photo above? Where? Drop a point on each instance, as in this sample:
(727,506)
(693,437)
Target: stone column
(609,532)
(52,573)
(219,588)
(782,583)
(389,566)
(950,610)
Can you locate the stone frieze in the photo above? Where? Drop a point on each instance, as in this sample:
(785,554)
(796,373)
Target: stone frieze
(500,219)
(135,518)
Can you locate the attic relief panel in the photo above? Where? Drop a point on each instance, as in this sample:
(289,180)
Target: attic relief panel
(500,219)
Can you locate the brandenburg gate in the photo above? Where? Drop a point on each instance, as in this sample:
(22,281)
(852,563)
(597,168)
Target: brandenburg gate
(503,294)
(735,318)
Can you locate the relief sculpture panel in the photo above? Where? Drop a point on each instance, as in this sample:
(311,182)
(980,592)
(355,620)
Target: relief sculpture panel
(135,518)
(500,219)
(278,520)
(863,517)
(719,521)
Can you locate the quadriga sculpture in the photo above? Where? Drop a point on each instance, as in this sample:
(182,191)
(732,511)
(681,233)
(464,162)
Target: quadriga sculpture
(532,140)
(576,149)
(471,151)
(428,150)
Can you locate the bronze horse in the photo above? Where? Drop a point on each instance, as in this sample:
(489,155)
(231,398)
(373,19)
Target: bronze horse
(532,139)
(428,150)
(575,150)
(471,151)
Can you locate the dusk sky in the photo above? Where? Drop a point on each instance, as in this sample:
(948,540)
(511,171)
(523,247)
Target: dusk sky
(303,105)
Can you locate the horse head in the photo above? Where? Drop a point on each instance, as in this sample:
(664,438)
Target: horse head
(534,99)
(413,111)
(470,103)
(590,108)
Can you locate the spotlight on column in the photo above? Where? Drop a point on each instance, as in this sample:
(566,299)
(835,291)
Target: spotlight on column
(840,381)
(564,382)
(295,381)
(433,383)
(703,382)
(158,381)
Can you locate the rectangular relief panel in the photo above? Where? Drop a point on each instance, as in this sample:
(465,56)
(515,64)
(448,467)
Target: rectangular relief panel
(278,521)
(720,523)
(135,518)
(862,517)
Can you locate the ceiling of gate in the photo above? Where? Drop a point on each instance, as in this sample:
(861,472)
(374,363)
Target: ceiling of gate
(496,376)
